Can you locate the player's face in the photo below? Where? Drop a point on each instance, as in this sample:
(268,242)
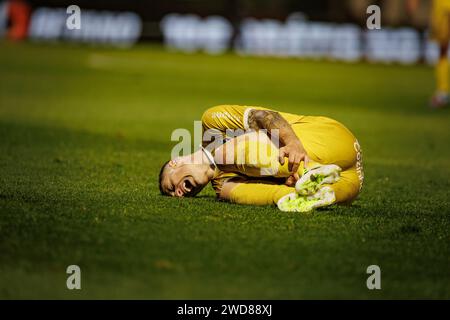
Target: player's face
(186,180)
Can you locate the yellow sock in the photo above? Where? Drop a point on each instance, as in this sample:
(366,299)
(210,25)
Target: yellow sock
(442,76)
(259,194)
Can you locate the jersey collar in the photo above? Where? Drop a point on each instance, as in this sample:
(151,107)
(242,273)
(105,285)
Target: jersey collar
(209,156)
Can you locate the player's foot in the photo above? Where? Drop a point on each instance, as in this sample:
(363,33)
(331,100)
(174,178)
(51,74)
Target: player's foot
(439,100)
(310,182)
(297,203)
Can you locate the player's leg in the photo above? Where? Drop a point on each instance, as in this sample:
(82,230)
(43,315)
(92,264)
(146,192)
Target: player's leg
(441,96)
(345,190)
(253,193)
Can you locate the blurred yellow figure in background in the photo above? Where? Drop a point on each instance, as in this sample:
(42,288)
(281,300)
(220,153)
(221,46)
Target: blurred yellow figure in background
(440,32)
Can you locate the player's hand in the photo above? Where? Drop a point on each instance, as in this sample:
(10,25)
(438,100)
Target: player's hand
(296,154)
(291,180)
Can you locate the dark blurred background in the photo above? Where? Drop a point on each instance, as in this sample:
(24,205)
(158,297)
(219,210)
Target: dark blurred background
(312,29)
(152,12)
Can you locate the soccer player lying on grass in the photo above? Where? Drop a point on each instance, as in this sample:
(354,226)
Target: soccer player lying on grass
(317,164)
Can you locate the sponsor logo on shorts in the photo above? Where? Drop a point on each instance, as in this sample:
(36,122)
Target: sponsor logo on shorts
(359,165)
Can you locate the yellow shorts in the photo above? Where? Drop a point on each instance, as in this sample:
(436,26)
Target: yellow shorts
(329,142)
(440,21)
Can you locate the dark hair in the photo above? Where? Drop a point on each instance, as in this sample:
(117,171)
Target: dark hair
(161,176)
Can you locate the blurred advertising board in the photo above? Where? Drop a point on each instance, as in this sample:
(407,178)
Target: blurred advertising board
(18,20)
(296,34)
(298,37)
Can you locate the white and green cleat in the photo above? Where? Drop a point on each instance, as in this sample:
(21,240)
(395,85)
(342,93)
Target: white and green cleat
(294,202)
(311,181)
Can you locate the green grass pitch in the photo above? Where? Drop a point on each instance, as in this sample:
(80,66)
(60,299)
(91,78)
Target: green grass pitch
(84,130)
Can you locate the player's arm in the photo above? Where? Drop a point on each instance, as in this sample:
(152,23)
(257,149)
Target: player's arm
(274,123)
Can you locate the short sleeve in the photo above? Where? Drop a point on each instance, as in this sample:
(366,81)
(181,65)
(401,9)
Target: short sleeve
(227,117)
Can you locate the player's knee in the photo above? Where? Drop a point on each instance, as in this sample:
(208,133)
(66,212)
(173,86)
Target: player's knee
(346,195)
(348,187)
